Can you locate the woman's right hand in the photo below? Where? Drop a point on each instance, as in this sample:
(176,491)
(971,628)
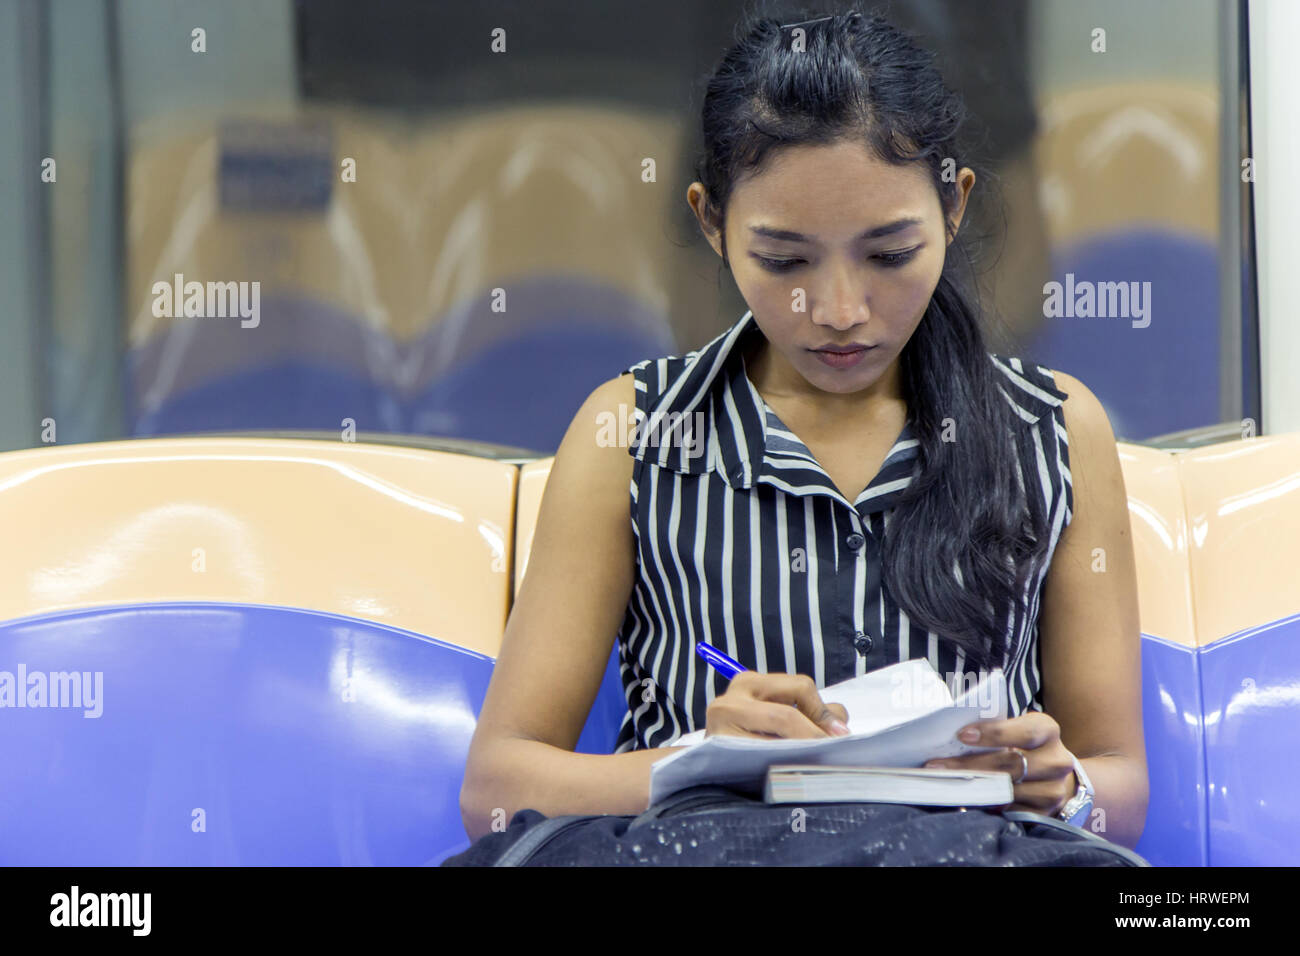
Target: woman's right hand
(759,705)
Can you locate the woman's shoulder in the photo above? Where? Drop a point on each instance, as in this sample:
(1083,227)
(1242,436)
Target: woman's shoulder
(592,463)
(613,400)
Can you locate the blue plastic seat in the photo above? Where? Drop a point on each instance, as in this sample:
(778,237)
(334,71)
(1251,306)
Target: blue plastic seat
(243,735)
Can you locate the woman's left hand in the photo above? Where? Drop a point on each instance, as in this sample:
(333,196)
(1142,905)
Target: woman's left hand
(1050,780)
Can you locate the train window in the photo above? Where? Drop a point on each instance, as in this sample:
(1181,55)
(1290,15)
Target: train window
(457,233)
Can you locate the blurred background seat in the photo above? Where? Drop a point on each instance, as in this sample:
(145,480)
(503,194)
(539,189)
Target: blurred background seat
(215,205)
(1146,146)
(408,300)
(511,334)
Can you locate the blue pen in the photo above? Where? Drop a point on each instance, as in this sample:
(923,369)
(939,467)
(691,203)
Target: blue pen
(721,662)
(715,658)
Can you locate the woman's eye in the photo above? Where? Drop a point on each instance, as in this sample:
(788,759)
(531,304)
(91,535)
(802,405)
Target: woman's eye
(897,258)
(777,265)
(885,258)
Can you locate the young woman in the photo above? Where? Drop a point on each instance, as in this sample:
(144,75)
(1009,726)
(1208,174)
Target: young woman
(861,482)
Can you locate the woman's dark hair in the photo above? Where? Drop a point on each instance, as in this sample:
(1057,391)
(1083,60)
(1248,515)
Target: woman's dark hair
(859,78)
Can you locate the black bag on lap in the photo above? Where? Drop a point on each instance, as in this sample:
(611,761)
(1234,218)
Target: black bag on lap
(714,826)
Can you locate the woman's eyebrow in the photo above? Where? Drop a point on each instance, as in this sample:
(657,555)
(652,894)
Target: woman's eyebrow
(889,228)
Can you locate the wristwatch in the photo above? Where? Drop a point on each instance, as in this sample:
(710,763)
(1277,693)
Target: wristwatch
(1078,807)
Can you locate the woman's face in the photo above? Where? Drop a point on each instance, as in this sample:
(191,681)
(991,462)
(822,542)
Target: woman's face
(832,247)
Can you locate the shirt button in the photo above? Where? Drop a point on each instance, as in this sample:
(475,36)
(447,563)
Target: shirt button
(862,641)
(855,541)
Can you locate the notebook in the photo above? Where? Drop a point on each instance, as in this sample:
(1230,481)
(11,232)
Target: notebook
(899,716)
(795,783)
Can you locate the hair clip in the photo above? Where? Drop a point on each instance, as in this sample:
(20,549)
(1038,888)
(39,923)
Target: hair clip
(808,23)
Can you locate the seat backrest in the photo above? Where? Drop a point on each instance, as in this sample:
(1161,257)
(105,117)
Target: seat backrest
(1243,517)
(226,628)
(1216,532)
(245,651)
(1171,693)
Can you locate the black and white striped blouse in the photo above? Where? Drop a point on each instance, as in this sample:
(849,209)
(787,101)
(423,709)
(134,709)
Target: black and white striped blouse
(744,542)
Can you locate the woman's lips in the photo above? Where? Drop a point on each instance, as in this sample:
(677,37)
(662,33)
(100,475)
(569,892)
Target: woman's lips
(842,359)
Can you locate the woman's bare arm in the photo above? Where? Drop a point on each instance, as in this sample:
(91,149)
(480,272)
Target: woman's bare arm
(1091,650)
(558,639)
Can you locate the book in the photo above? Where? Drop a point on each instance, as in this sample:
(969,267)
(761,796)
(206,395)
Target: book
(808,783)
(899,716)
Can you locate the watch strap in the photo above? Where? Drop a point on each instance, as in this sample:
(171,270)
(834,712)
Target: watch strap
(1078,806)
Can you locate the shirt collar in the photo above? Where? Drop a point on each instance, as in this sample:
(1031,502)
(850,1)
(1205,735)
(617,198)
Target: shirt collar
(1031,395)
(703,421)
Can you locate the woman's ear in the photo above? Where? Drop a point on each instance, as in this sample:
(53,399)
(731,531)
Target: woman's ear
(698,200)
(965,182)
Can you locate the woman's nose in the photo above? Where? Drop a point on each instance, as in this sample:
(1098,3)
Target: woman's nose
(843,299)
(841,314)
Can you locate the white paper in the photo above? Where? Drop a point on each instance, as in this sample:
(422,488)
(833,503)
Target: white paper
(897,715)
(890,696)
